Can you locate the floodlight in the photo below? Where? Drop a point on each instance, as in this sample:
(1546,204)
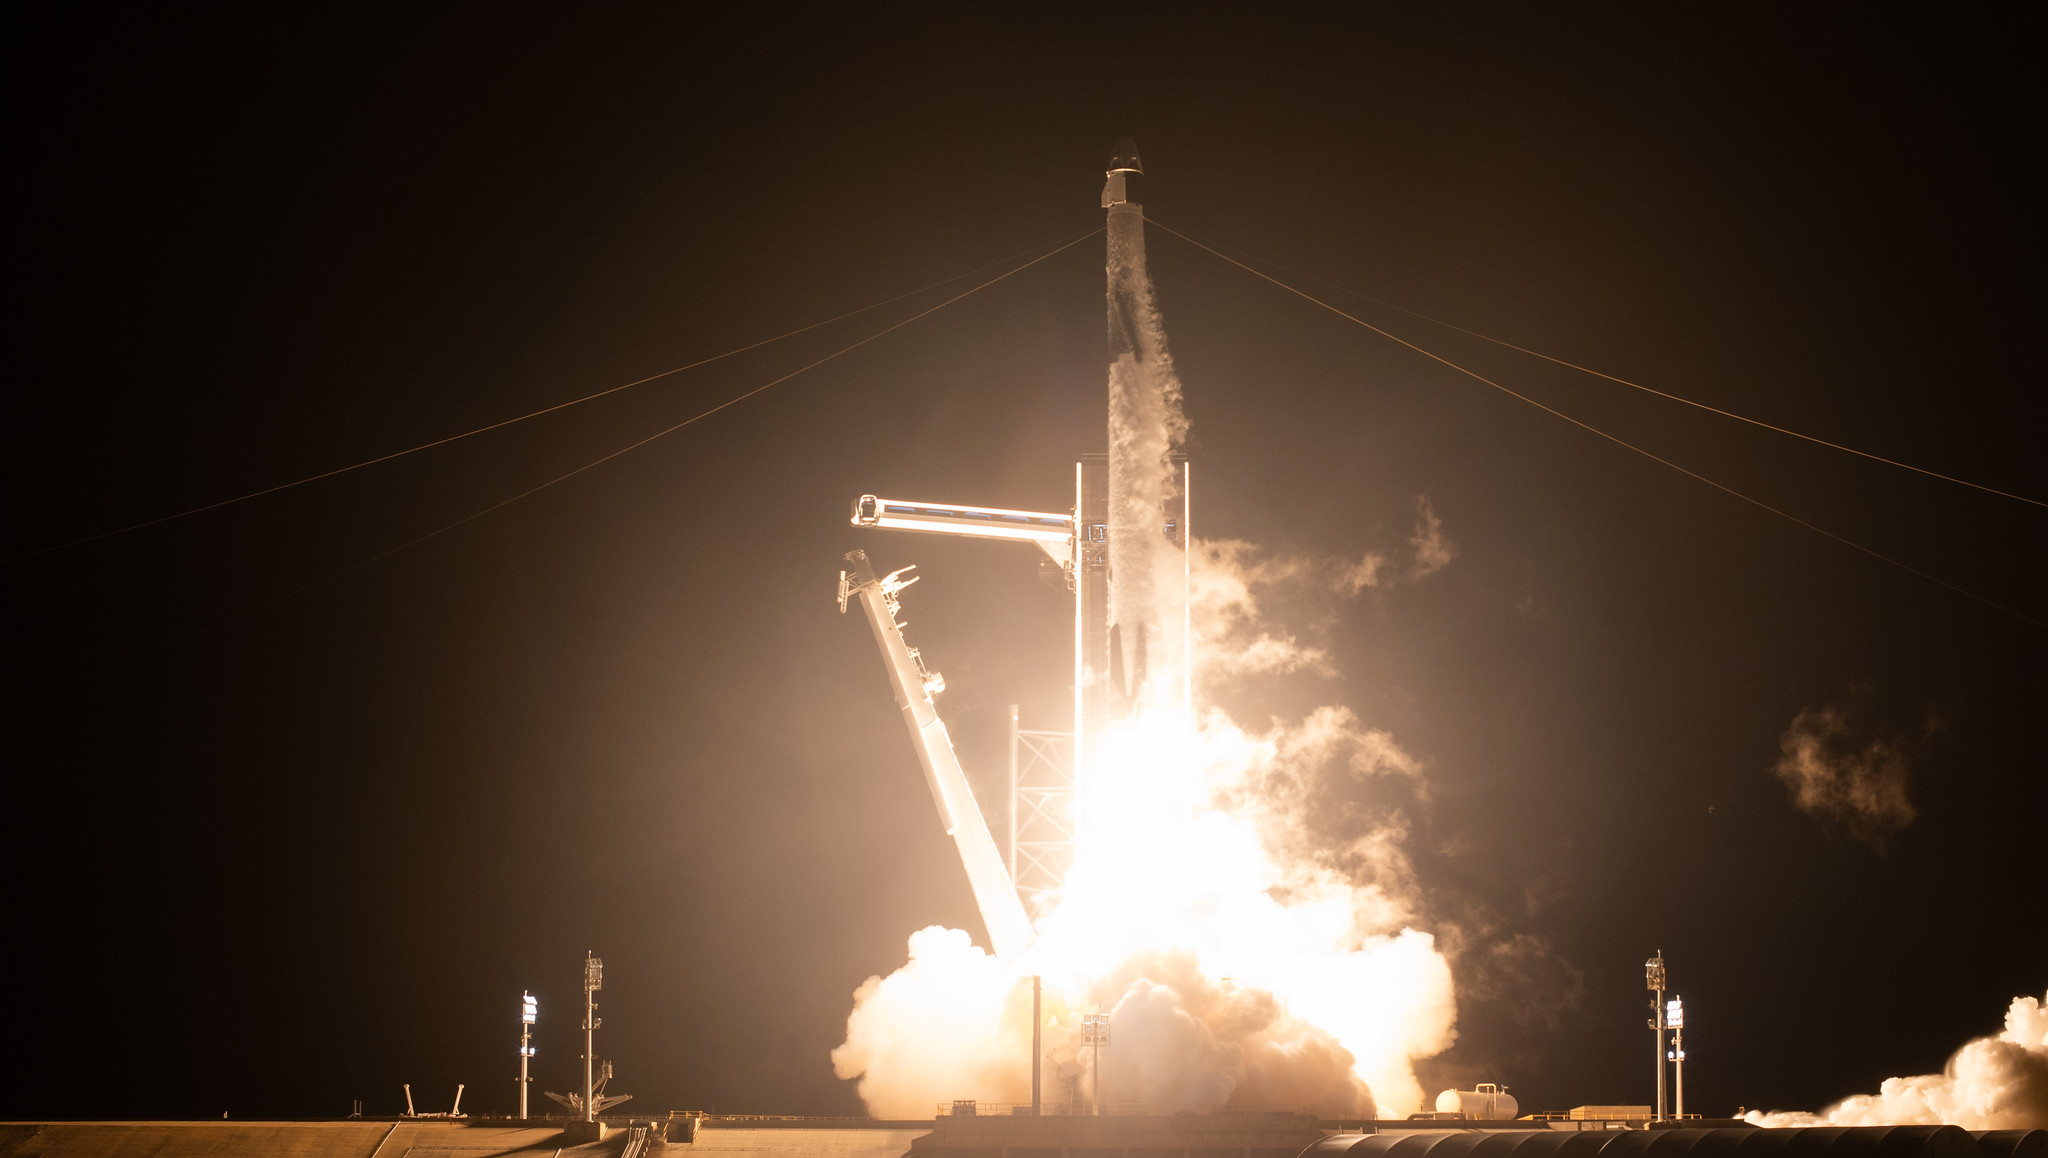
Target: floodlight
(1095,1029)
(1674,1013)
(529,1010)
(1653,972)
(1095,1034)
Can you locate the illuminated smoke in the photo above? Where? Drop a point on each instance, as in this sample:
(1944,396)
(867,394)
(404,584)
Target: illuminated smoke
(1998,1082)
(1146,427)
(1234,638)
(1248,925)
(1244,958)
(1433,552)
(1845,781)
(1231,579)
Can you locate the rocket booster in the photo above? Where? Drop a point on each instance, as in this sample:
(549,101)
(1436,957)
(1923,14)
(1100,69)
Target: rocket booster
(1147,570)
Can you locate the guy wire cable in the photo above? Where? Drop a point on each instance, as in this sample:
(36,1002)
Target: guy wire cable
(1603,434)
(537,413)
(1218,250)
(565,476)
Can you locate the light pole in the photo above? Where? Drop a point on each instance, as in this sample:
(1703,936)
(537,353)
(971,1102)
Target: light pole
(1095,1032)
(1037,1023)
(529,1008)
(1653,979)
(1674,1016)
(1013,796)
(593,980)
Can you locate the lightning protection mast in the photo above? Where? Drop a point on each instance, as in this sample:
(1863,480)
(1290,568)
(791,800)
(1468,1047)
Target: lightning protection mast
(1653,979)
(593,980)
(529,1010)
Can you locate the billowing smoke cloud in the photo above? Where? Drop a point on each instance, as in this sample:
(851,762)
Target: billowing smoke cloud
(954,1021)
(1231,580)
(1433,552)
(1849,781)
(1239,906)
(1233,636)
(1998,1082)
(1188,1041)
(1520,975)
(1253,945)
(951,1022)
(1429,551)
(1146,427)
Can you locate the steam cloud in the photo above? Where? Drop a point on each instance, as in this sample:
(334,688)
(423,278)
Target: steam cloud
(1241,903)
(1232,580)
(1429,551)
(1259,952)
(1998,1082)
(1146,427)
(1846,782)
(1433,552)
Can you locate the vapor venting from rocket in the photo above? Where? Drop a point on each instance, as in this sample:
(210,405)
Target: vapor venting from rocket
(1251,936)
(1998,1082)
(1146,427)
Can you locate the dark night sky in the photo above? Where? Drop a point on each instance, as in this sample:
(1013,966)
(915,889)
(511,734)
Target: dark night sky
(269,856)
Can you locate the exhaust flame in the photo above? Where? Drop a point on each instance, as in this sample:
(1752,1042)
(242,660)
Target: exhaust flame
(1998,1082)
(1243,957)
(1235,971)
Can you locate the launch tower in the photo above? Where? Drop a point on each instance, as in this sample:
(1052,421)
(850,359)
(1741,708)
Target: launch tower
(1123,548)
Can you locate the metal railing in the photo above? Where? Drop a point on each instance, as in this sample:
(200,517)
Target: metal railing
(1569,1116)
(967,1108)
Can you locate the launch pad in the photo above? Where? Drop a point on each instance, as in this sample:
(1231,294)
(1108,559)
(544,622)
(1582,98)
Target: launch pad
(1219,1135)
(1191,1135)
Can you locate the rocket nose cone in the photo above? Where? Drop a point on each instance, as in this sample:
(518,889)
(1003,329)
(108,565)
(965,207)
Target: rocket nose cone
(1124,156)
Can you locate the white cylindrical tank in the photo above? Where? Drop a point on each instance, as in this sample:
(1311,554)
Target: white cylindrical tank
(1485,1102)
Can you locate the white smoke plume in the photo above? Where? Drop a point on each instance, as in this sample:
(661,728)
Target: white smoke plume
(1249,927)
(1433,552)
(1146,427)
(1231,581)
(1233,638)
(1845,780)
(1243,960)
(1999,1082)
(1429,551)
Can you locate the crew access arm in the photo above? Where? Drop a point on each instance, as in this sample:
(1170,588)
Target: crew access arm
(1009,927)
(1050,532)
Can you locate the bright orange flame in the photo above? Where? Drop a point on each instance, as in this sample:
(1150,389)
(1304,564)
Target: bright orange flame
(1172,898)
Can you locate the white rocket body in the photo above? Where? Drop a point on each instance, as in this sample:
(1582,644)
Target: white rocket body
(1147,517)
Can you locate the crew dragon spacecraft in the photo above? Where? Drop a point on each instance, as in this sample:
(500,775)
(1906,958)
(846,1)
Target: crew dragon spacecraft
(1122,549)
